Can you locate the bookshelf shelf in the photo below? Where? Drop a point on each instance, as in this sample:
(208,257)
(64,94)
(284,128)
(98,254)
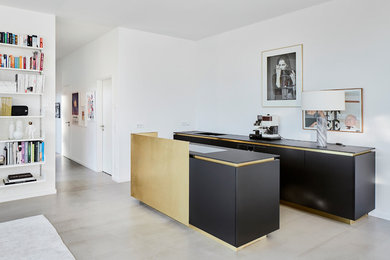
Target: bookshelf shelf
(20,47)
(21,165)
(21,70)
(39,180)
(19,117)
(22,140)
(20,93)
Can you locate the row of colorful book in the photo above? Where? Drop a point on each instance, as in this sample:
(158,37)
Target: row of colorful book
(34,62)
(21,39)
(24,152)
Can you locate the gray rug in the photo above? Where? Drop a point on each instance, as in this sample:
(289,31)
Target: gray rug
(32,238)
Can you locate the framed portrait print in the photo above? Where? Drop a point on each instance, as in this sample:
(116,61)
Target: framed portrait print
(282,76)
(348,120)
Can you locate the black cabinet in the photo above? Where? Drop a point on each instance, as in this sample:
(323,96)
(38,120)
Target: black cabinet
(234,204)
(337,183)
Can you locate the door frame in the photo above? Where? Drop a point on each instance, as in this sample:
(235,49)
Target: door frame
(66,91)
(99,122)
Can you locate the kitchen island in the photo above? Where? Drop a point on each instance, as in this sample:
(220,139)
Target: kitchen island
(228,194)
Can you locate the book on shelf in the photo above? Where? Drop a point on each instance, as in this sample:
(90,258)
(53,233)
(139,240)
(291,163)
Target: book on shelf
(6,106)
(34,62)
(21,39)
(29,83)
(7,182)
(18,153)
(19,178)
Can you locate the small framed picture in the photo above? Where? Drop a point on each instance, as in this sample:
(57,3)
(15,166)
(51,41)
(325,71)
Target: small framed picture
(75,104)
(58,110)
(349,120)
(282,76)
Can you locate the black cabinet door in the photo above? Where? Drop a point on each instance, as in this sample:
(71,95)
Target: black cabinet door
(292,173)
(257,201)
(213,199)
(330,183)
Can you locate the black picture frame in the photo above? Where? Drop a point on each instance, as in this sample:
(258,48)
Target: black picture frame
(58,110)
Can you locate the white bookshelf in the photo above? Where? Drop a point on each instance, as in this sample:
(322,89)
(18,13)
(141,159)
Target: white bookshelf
(39,180)
(20,70)
(21,140)
(20,47)
(34,104)
(21,117)
(20,94)
(21,165)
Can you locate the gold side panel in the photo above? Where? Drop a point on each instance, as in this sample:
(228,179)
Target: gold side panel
(225,243)
(152,134)
(233,164)
(320,213)
(160,174)
(280,146)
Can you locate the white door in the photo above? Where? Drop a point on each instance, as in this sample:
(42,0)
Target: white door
(107,126)
(66,116)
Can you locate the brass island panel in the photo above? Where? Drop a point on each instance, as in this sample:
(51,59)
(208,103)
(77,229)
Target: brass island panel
(160,174)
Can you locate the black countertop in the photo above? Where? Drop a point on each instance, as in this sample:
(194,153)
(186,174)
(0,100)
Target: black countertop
(282,142)
(230,155)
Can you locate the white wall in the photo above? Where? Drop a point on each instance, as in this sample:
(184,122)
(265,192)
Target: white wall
(155,92)
(152,90)
(26,22)
(345,45)
(79,72)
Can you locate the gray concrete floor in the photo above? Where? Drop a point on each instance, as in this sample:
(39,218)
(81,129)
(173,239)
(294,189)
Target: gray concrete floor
(97,219)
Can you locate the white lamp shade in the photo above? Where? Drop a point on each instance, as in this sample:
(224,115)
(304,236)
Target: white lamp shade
(323,100)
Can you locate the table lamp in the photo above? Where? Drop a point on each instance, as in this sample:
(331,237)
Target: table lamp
(323,101)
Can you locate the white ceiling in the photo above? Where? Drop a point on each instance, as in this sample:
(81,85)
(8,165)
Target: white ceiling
(189,19)
(71,34)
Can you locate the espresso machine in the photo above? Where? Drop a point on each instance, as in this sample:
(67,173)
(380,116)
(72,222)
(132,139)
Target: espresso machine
(266,128)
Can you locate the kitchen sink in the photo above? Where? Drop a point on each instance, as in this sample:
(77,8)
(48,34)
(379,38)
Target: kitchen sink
(210,133)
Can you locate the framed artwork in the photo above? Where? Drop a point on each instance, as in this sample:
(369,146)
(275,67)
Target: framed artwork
(58,110)
(282,76)
(83,117)
(75,104)
(91,105)
(349,120)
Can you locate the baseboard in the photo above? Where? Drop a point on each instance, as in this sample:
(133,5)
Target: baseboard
(380,214)
(29,195)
